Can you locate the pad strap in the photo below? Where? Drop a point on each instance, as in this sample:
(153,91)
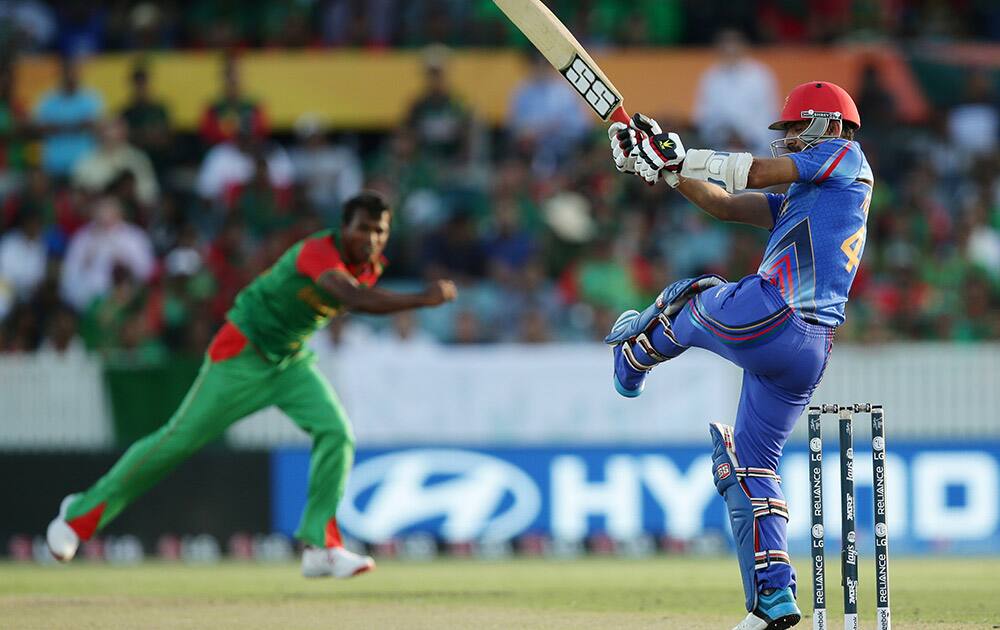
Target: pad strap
(766,558)
(647,345)
(767,506)
(765,473)
(633,361)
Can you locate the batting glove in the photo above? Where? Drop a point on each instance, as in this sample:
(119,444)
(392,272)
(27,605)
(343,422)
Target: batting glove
(624,142)
(657,153)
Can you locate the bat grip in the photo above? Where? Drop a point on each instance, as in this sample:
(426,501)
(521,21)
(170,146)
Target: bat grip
(620,115)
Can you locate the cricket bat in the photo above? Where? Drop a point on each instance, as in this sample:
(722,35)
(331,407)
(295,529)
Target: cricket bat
(557,44)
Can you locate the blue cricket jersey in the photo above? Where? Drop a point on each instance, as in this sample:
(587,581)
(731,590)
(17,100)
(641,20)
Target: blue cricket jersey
(819,229)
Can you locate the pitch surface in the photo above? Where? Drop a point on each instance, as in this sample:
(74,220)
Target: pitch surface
(666,592)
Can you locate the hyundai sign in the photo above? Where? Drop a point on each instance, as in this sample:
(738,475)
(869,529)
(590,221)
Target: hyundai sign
(945,499)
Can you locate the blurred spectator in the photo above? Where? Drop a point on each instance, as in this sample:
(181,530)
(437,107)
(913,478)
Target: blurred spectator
(148,120)
(359,23)
(61,338)
(439,120)
(693,246)
(104,319)
(736,99)
(229,24)
(468,328)
(30,24)
(221,24)
(600,279)
(137,344)
(81,28)
(114,155)
(509,248)
(13,123)
(405,334)
(287,24)
(166,223)
(641,23)
(229,261)
(876,102)
(571,227)
(232,113)
(546,116)
(187,288)
(55,206)
(410,179)
(974,125)
(983,247)
(229,165)
(534,328)
(125,189)
(532,291)
(66,116)
(329,173)
(974,319)
(21,330)
(23,260)
(264,207)
(455,250)
(101,245)
(148,26)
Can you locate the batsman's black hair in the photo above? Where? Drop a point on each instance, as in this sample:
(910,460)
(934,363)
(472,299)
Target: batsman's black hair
(369,202)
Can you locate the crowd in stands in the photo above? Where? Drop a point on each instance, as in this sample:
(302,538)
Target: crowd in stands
(73,27)
(122,235)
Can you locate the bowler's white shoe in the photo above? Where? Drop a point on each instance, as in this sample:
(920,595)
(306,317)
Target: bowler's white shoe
(335,561)
(62,540)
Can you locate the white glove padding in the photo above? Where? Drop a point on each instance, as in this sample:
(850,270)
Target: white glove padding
(625,138)
(730,170)
(662,152)
(621,148)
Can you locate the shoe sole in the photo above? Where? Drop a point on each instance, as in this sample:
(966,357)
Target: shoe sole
(63,506)
(358,571)
(58,558)
(364,569)
(782,623)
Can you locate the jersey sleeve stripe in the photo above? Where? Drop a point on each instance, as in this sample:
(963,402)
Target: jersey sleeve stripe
(833,166)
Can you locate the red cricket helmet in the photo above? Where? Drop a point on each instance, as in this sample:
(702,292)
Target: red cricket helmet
(818,99)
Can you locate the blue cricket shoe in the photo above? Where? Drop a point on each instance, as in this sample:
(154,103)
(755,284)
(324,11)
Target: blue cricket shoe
(775,611)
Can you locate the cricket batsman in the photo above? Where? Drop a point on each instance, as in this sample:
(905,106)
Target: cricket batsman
(259,358)
(777,324)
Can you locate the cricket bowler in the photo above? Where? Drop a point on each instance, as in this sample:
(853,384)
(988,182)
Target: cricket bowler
(259,358)
(777,324)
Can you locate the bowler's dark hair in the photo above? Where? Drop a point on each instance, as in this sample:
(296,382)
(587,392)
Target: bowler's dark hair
(368,202)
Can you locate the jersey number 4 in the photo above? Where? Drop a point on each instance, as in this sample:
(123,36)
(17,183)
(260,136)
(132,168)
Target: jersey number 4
(855,243)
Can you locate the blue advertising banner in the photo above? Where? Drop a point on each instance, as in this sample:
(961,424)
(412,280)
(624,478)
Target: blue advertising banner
(940,497)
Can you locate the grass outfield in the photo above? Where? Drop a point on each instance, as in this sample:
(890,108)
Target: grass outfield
(688,593)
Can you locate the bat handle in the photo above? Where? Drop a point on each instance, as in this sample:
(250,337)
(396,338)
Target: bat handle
(620,115)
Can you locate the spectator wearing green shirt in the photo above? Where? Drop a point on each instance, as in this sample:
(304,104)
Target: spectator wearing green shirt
(438,118)
(13,123)
(148,121)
